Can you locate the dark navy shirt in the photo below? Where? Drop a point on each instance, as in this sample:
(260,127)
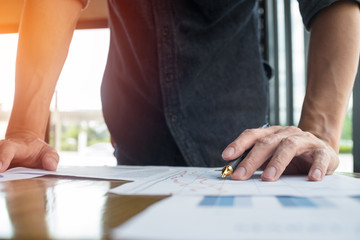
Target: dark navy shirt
(184,78)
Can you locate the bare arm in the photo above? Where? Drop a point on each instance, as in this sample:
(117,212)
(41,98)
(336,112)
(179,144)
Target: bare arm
(312,148)
(332,65)
(45,33)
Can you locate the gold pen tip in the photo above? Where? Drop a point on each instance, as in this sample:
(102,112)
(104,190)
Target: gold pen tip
(226,171)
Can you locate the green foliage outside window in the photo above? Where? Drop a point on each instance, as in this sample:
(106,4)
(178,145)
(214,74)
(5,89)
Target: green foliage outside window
(346,136)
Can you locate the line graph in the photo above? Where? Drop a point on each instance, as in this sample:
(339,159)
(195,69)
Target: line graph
(207,181)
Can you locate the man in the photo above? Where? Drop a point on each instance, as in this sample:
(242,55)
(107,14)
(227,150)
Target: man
(183,79)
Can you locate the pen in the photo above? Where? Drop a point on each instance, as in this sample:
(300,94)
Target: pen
(229,169)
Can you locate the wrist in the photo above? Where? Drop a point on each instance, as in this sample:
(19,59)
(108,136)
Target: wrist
(326,127)
(18,133)
(28,120)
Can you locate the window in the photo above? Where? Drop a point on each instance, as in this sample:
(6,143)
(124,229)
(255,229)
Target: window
(77,128)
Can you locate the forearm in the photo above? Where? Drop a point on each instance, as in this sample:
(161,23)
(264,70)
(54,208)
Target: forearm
(332,64)
(44,36)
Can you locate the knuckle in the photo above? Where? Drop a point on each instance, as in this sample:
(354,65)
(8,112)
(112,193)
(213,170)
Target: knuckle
(321,153)
(265,141)
(248,132)
(307,134)
(322,158)
(292,129)
(250,164)
(278,163)
(289,141)
(323,165)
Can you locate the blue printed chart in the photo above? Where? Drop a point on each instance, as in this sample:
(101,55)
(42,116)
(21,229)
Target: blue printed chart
(356,198)
(247,217)
(285,201)
(226,201)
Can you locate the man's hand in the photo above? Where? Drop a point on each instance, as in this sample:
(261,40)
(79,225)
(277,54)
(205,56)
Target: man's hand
(312,148)
(45,33)
(27,152)
(279,150)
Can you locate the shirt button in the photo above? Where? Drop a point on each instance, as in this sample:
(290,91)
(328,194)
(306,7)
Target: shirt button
(165,31)
(169,78)
(174,118)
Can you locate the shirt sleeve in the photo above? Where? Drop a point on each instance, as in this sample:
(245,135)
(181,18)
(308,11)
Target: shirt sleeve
(310,8)
(85,3)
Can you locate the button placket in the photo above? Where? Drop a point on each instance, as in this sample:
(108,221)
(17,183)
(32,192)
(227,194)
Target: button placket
(169,78)
(165,31)
(174,118)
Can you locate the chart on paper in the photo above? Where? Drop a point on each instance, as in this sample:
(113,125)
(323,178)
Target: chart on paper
(207,181)
(290,202)
(246,217)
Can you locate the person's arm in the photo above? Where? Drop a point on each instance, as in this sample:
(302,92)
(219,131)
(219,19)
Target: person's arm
(332,65)
(45,34)
(312,148)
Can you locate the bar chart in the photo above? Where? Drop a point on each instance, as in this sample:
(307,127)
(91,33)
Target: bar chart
(283,201)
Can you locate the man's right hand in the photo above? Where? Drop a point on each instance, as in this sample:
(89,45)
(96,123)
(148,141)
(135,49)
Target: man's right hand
(27,152)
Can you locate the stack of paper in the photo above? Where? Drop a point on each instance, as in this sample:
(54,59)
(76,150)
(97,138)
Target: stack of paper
(204,206)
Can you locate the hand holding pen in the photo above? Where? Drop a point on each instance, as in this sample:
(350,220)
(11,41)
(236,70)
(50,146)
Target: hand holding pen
(280,150)
(233,164)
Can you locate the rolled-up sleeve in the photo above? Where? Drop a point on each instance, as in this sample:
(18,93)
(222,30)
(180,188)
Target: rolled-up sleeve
(85,3)
(309,8)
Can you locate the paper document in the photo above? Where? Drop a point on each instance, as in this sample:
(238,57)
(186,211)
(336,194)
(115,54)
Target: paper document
(246,217)
(130,173)
(16,174)
(207,181)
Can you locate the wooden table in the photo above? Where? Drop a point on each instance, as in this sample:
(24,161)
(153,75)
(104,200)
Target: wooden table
(62,207)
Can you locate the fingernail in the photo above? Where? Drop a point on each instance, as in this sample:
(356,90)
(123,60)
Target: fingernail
(316,174)
(228,152)
(52,164)
(269,173)
(1,165)
(240,174)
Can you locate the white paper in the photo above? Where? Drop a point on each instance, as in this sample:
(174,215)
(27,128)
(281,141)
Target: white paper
(130,173)
(207,181)
(246,217)
(16,174)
